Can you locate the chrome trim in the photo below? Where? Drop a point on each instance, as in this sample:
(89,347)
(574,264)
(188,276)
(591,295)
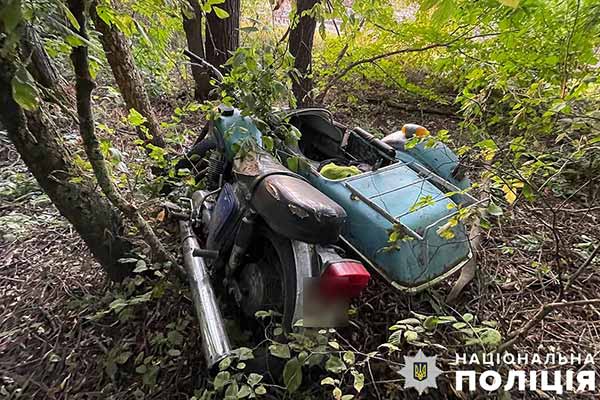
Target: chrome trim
(393,220)
(441,181)
(215,342)
(303,259)
(411,289)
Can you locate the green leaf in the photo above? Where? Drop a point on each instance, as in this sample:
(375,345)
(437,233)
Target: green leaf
(174,352)
(135,118)
(222,14)
(244,353)
(11,14)
(494,209)
(221,380)
(468,317)
(140,266)
(105,13)
(224,363)
(263,314)
(127,260)
(280,350)
(359,380)
(175,338)
(245,391)
(74,40)
(430,323)
(267,143)
(24,91)
(444,11)
(337,393)
(254,379)
(335,364)
(491,337)
(409,321)
(487,337)
(232,390)
(328,381)
(292,163)
(141,369)
(510,3)
(487,144)
(123,357)
(411,336)
(260,390)
(349,357)
(292,375)
(69,15)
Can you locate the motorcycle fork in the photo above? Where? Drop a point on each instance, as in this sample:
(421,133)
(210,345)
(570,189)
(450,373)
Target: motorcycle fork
(240,246)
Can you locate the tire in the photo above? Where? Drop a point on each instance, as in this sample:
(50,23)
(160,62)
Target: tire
(271,256)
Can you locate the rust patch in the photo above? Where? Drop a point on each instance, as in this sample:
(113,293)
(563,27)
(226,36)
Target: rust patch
(298,211)
(247,165)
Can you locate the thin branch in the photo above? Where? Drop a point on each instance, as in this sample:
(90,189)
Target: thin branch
(583,266)
(544,310)
(201,62)
(354,64)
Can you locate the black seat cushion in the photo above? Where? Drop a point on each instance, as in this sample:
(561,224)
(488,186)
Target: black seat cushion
(295,209)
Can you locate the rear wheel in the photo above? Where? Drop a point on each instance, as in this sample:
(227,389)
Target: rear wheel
(268,280)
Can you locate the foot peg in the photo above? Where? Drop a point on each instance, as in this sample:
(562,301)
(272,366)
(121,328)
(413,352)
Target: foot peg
(198,252)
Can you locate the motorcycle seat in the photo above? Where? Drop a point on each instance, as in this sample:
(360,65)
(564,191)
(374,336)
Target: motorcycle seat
(293,208)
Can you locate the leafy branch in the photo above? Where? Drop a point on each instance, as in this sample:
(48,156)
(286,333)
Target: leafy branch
(369,60)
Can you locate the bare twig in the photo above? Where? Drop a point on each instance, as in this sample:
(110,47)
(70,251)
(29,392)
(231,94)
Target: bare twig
(583,266)
(544,310)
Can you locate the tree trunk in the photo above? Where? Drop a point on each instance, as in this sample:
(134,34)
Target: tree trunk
(130,82)
(39,66)
(193,34)
(222,35)
(92,216)
(83,88)
(301,44)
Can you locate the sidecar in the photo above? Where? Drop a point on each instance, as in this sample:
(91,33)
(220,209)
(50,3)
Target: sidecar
(402,206)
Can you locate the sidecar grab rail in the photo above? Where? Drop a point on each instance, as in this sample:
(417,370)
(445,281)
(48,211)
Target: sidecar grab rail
(424,175)
(427,174)
(382,212)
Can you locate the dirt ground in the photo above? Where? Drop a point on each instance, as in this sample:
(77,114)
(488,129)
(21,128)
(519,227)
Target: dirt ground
(58,342)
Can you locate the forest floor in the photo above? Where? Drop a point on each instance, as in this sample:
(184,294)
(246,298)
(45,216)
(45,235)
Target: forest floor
(58,339)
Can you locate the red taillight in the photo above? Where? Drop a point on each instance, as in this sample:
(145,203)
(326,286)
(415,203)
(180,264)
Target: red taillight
(344,278)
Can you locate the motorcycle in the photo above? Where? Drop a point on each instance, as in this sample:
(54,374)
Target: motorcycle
(273,225)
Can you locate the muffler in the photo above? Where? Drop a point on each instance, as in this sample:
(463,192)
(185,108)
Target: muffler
(215,342)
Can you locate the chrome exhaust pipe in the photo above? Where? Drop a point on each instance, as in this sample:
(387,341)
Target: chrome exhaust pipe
(215,342)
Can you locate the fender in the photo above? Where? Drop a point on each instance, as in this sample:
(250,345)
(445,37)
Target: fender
(306,262)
